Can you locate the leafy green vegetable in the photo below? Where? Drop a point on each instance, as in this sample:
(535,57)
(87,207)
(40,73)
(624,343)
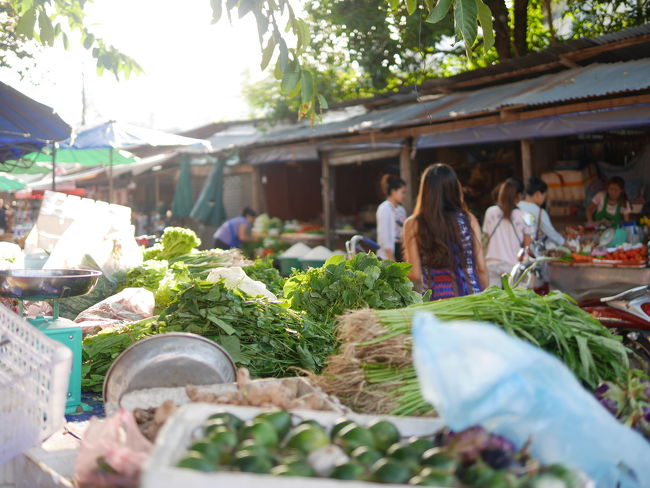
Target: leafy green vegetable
(264,271)
(200,263)
(268,338)
(148,275)
(100,350)
(168,288)
(152,252)
(177,241)
(340,285)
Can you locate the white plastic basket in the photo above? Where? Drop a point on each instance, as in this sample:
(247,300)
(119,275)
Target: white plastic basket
(180,430)
(34,374)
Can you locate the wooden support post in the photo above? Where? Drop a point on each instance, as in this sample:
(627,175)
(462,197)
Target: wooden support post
(329,208)
(526,160)
(407,172)
(259,193)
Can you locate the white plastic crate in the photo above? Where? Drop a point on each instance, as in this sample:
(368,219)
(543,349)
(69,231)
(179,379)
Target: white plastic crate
(34,374)
(179,432)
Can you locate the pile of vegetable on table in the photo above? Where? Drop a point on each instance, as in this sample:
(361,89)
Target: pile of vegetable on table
(347,327)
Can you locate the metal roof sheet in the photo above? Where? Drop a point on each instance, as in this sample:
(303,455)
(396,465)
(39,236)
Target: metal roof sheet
(572,84)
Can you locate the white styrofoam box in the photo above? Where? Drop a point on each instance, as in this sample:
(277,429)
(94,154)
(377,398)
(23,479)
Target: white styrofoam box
(568,185)
(180,431)
(154,397)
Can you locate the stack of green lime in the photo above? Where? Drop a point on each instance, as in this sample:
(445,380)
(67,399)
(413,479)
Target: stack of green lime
(271,444)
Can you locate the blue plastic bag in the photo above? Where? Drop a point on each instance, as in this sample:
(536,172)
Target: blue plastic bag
(476,374)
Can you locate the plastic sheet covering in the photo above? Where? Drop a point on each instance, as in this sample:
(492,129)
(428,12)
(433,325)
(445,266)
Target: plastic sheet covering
(183,202)
(209,207)
(558,125)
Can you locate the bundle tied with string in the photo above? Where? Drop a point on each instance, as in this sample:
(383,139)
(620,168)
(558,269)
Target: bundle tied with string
(373,372)
(373,367)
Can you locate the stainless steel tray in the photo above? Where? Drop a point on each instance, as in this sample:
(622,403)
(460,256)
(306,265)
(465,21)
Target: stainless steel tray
(167,361)
(47,284)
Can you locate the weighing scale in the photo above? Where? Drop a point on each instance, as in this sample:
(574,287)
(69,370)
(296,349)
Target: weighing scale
(52,285)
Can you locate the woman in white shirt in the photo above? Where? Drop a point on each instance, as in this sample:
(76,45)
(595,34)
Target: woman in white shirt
(540,222)
(390,218)
(506,230)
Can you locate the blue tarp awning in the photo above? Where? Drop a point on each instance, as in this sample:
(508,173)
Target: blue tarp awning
(554,126)
(26,125)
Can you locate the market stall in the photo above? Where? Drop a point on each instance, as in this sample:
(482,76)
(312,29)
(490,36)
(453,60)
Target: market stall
(597,263)
(215,370)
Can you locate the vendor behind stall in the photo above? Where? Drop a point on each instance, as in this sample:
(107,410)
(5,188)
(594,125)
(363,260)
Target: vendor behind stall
(610,207)
(390,218)
(233,232)
(540,222)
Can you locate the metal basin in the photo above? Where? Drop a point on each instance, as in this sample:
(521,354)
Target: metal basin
(46,284)
(167,361)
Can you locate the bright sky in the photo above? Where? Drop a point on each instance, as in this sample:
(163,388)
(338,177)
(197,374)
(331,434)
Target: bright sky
(193,69)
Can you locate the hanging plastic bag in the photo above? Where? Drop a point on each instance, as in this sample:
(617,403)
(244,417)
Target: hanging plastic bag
(129,305)
(477,374)
(112,452)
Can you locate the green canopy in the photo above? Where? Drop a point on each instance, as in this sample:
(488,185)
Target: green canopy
(209,207)
(41,162)
(183,202)
(8,183)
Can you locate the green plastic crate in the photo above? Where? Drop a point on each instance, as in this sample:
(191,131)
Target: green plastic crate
(286,264)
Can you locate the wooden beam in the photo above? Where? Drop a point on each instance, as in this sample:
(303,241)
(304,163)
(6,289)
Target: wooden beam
(329,208)
(407,172)
(526,159)
(258,190)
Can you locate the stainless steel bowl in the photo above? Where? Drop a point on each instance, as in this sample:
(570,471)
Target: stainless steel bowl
(46,284)
(167,361)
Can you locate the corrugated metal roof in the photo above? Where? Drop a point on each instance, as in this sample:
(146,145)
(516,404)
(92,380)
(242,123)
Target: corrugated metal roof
(590,81)
(579,83)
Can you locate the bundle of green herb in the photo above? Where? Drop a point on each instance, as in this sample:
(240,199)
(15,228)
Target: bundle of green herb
(267,338)
(373,370)
(340,285)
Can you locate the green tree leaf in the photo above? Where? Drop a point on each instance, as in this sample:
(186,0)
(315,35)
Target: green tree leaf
(465,15)
(485,18)
(322,102)
(246,6)
(268,53)
(89,40)
(216,10)
(411,6)
(394,4)
(439,12)
(25,25)
(290,80)
(307,90)
(46,28)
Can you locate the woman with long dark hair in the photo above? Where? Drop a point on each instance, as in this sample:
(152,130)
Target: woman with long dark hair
(506,230)
(390,218)
(442,239)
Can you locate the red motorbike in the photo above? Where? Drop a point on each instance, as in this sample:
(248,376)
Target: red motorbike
(628,313)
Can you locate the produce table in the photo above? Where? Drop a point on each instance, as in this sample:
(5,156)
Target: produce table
(586,282)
